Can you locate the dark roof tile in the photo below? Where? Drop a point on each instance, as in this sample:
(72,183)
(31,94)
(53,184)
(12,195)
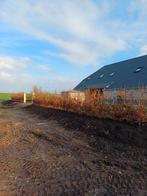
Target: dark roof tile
(131,73)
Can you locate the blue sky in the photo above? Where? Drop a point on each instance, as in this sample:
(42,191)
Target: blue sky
(54,44)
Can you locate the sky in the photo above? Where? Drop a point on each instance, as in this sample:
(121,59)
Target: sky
(55,44)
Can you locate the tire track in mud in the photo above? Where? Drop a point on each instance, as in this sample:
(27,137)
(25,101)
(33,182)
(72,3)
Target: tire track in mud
(40,157)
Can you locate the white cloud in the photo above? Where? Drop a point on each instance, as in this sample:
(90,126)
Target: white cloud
(143,50)
(62,83)
(6,76)
(139,8)
(76,27)
(57,83)
(44,68)
(84,33)
(14,63)
(15,75)
(139,5)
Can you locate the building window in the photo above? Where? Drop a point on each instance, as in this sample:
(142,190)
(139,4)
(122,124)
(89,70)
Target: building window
(108,85)
(102,75)
(111,74)
(87,79)
(138,69)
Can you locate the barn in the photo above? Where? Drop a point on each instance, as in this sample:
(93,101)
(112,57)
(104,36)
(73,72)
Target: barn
(126,79)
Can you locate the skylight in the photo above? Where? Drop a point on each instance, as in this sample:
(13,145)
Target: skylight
(87,78)
(111,74)
(138,69)
(102,75)
(107,86)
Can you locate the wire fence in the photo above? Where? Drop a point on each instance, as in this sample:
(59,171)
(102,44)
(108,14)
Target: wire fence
(125,96)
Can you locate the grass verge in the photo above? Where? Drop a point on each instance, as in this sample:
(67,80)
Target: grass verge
(5,97)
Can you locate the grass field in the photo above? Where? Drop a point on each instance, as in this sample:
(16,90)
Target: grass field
(9,96)
(5,96)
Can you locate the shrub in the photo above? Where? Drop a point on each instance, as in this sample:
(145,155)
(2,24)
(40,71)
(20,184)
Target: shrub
(17,97)
(92,107)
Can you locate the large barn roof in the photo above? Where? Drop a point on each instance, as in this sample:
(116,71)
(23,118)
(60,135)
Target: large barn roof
(127,74)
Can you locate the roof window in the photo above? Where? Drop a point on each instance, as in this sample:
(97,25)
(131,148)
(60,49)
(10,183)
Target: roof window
(111,74)
(108,85)
(138,69)
(102,75)
(87,78)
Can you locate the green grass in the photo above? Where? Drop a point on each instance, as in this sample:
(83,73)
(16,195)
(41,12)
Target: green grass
(5,96)
(29,97)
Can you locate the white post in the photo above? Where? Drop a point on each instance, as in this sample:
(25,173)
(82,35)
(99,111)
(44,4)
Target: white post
(24,98)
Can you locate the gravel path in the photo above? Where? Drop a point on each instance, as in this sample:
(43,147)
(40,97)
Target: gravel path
(41,156)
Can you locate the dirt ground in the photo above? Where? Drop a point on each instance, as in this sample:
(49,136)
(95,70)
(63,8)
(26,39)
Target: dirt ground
(51,152)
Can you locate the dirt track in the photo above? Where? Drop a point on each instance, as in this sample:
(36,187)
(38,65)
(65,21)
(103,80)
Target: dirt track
(66,154)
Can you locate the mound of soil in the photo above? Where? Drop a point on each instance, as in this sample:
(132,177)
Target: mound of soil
(56,153)
(123,132)
(120,162)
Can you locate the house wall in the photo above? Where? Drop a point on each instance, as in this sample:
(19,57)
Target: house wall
(76,95)
(110,96)
(131,94)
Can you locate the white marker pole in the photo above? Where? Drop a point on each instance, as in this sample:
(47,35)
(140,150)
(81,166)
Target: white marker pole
(24,98)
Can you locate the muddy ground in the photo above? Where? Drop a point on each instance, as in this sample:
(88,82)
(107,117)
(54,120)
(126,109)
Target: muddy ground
(51,152)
